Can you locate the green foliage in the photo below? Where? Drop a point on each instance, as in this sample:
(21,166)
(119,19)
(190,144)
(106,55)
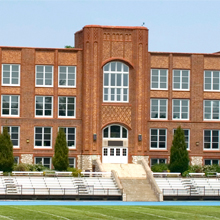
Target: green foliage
(75,172)
(68,46)
(179,158)
(159,167)
(29,167)
(60,159)
(6,152)
(21,167)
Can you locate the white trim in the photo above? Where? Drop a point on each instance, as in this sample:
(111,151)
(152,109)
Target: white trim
(44,116)
(109,134)
(210,149)
(159,80)
(66,107)
(43,76)
(66,86)
(158,109)
(10,73)
(43,147)
(211,110)
(211,90)
(10,126)
(180,106)
(74,161)
(158,148)
(42,160)
(181,78)
(10,115)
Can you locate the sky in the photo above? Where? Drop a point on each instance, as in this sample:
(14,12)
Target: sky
(191,26)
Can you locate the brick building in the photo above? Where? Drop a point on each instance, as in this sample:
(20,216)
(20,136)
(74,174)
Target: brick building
(117,101)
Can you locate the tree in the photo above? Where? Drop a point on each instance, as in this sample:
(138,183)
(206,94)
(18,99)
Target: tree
(6,151)
(60,159)
(179,158)
(68,46)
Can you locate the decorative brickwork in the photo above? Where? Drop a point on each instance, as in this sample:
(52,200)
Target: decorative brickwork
(159,61)
(11,56)
(9,90)
(44,57)
(111,114)
(27,158)
(211,63)
(181,62)
(68,59)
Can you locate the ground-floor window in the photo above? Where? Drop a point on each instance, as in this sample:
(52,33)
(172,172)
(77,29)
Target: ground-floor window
(45,161)
(72,162)
(16,160)
(211,162)
(157,161)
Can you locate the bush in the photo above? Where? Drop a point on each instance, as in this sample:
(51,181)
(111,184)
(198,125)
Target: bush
(75,172)
(21,167)
(29,167)
(159,167)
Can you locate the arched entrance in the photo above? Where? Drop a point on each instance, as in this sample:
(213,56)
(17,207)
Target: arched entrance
(115,144)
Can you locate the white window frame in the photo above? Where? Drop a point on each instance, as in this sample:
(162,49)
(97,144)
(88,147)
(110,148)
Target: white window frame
(159,106)
(44,116)
(74,116)
(211,141)
(9,132)
(211,160)
(181,80)
(74,76)
(187,142)
(51,132)
(43,160)
(72,147)
(116,87)
(17,159)
(109,132)
(204,108)
(180,106)
(44,85)
(159,79)
(10,75)
(10,96)
(158,161)
(212,80)
(74,164)
(158,136)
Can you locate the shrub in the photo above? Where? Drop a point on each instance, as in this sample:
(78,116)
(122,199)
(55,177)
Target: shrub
(75,172)
(159,167)
(21,167)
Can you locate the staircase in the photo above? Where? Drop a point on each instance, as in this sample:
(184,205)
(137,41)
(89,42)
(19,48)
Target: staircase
(82,189)
(10,186)
(190,186)
(133,180)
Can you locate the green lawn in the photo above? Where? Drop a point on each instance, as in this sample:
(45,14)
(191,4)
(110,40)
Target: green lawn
(109,212)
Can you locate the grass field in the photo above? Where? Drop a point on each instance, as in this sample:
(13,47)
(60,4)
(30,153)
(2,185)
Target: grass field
(109,212)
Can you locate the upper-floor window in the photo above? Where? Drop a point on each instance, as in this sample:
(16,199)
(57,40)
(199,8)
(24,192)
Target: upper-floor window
(158,108)
(10,74)
(116,82)
(67,76)
(43,106)
(158,138)
(211,139)
(180,109)
(115,131)
(70,136)
(187,137)
(211,110)
(181,80)
(211,80)
(159,79)
(66,107)
(10,105)
(14,133)
(44,76)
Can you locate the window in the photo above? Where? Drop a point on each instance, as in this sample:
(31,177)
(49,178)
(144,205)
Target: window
(116,82)
(181,80)
(67,76)
(158,109)
(43,137)
(115,131)
(187,137)
(180,109)
(10,74)
(157,161)
(43,106)
(45,161)
(70,136)
(211,110)
(66,107)
(10,105)
(16,160)
(211,162)
(159,79)
(14,133)
(44,76)
(211,139)
(211,80)
(72,162)
(158,138)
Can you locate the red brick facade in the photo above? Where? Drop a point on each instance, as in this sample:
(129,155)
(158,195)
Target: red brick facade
(94,47)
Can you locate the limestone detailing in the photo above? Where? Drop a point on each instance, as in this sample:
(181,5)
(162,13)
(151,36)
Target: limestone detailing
(196,160)
(27,158)
(85,162)
(116,114)
(137,159)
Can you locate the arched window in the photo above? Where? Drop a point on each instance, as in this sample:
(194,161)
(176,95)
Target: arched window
(115,82)
(115,131)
